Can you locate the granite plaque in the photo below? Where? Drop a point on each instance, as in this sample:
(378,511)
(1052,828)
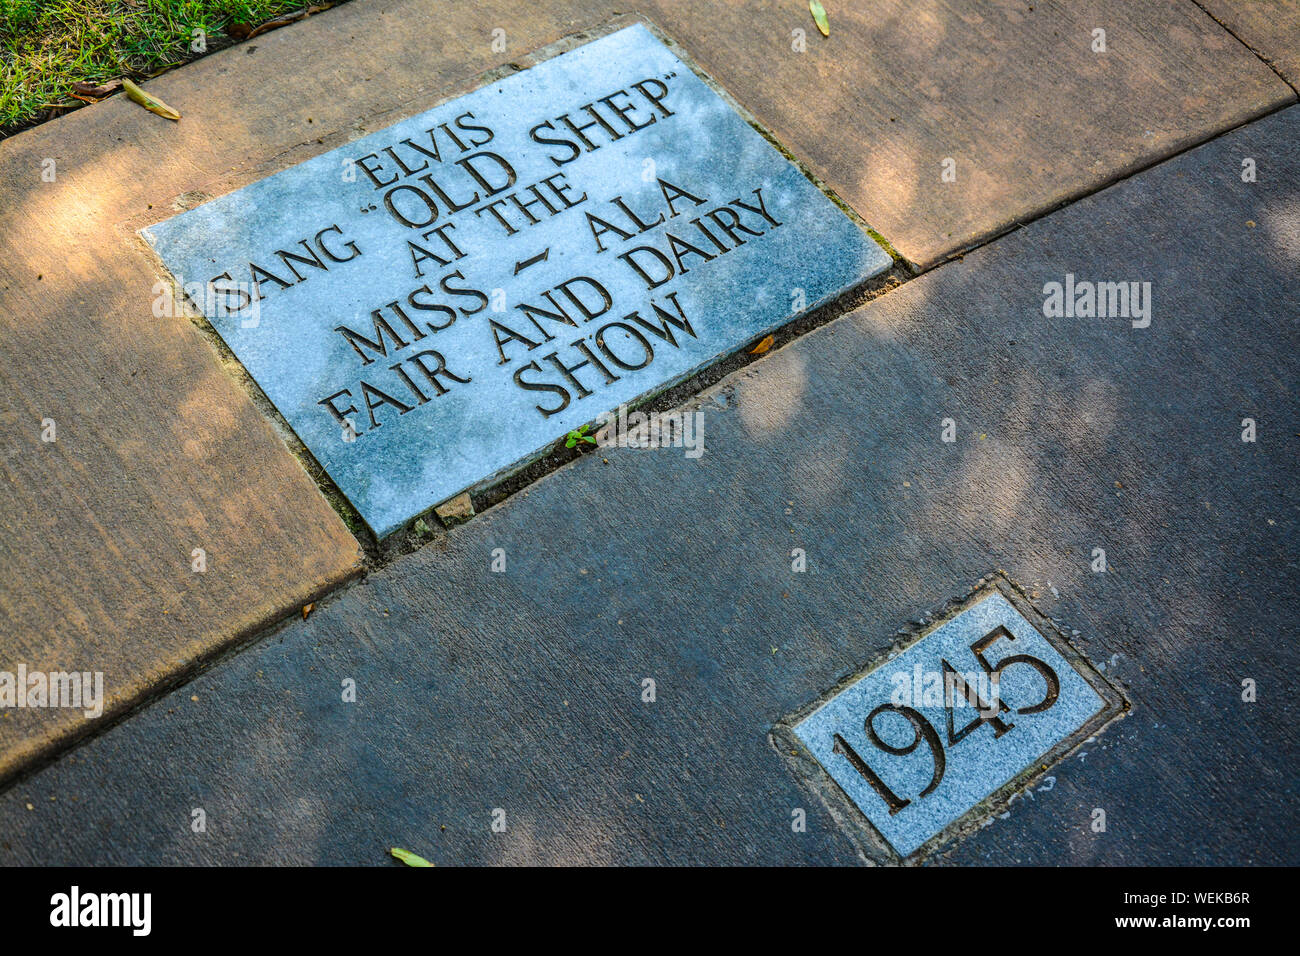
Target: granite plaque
(437,302)
(928,735)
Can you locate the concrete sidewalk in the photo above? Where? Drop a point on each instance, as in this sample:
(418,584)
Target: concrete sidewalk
(520,691)
(161,453)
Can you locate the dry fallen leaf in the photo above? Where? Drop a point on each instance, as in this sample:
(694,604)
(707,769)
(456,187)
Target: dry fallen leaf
(762,346)
(819,17)
(306,609)
(84,88)
(246,31)
(152,104)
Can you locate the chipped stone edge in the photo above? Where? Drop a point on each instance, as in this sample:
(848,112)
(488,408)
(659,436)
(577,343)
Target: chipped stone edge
(872,847)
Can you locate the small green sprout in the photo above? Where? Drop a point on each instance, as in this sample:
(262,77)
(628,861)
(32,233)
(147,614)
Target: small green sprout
(575,437)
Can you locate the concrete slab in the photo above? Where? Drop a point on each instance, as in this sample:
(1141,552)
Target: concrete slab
(1271,29)
(150,516)
(1010,98)
(524,689)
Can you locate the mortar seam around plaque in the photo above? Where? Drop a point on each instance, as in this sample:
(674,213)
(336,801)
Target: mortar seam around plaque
(872,845)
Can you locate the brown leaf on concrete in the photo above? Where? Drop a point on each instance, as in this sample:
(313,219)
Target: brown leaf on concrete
(84,88)
(762,346)
(306,609)
(243,31)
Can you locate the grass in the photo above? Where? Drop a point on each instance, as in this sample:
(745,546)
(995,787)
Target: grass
(47,45)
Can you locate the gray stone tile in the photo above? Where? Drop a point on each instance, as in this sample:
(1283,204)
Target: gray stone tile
(920,740)
(445,298)
(523,690)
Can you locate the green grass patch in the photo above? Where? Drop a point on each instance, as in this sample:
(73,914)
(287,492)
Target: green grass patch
(47,45)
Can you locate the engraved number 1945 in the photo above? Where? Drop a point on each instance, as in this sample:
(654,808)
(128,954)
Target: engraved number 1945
(987,713)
